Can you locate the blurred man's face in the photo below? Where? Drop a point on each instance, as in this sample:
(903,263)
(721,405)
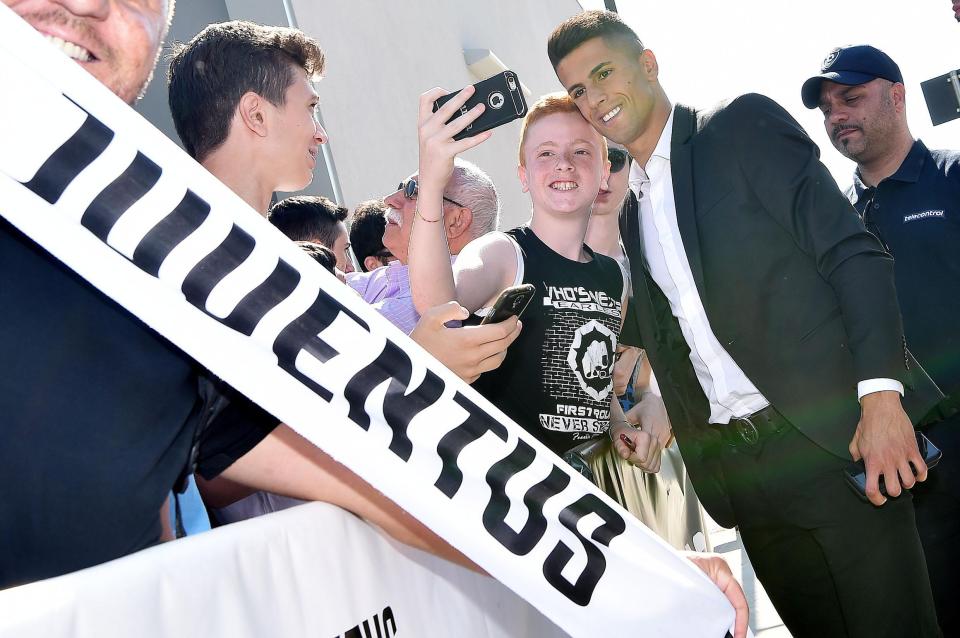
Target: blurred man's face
(611,198)
(116,42)
(341,249)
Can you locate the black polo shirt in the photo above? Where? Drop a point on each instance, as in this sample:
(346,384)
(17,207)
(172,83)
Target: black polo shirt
(98,414)
(916,214)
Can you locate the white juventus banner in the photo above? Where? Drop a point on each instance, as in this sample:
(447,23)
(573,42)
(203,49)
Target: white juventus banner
(87,178)
(313,571)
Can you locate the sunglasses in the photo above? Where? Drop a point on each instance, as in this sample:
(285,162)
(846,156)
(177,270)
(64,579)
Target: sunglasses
(410,189)
(618,159)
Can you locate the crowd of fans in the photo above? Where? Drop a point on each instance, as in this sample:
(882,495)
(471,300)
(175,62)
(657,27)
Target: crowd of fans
(709,251)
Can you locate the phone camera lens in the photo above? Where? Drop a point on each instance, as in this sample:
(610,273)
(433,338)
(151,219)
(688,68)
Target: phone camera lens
(495,100)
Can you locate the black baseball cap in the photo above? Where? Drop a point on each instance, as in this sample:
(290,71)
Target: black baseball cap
(850,65)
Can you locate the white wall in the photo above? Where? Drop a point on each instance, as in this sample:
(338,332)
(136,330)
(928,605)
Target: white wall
(382,54)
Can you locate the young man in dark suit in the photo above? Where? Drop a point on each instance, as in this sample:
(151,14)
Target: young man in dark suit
(770,318)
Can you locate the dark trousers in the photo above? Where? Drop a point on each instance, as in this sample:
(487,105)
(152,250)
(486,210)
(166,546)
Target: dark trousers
(832,564)
(937,505)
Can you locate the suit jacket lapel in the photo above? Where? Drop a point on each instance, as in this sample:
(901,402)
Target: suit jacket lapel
(681,166)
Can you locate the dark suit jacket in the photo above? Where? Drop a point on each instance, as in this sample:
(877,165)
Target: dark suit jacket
(796,290)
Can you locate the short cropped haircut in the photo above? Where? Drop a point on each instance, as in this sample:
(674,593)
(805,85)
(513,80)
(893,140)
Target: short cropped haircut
(366,230)
(210,74)
(320,254)
(308,218)
(576,30)
(474,189)
(550,104)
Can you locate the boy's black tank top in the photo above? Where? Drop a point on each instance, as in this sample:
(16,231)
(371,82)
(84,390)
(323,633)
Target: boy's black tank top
(557,377)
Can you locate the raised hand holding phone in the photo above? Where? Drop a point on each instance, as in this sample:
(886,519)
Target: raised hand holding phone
(503,95)
(431,278)
(438,146)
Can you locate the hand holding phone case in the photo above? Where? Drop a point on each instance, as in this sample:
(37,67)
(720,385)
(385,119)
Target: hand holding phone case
(512,301)
(503,97)
(856,474)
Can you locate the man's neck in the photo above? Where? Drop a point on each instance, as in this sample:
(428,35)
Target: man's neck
(603,235)
(643,146)
(886,164)
(239,177)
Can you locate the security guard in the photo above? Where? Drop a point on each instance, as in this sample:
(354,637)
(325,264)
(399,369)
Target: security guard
(909,197)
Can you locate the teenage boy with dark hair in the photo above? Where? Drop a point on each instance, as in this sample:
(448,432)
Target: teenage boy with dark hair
(767,311)
(367,224)
(244,107)
(315,219)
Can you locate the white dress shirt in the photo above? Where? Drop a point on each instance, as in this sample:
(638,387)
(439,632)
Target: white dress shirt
(728,390)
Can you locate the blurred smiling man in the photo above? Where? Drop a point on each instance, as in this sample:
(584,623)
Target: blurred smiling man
(117,43)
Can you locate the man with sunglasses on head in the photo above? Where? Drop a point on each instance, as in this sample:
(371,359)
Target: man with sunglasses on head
(471,208)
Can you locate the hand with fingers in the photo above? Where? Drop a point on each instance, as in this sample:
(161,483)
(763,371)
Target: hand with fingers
(644,446)
(885,440)
(638,447)
(469,351)
(438,148)
(717,569)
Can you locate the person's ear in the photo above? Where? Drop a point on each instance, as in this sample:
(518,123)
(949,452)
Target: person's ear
(522,174)
(252,112)
(651,67)
(458,222)
(899,94)
(372,263)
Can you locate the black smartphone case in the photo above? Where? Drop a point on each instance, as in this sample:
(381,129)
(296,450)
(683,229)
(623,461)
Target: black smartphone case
(503,97)
(512,301)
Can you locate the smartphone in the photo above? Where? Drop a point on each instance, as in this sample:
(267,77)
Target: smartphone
(512,301)
(856,474)
(503,98)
